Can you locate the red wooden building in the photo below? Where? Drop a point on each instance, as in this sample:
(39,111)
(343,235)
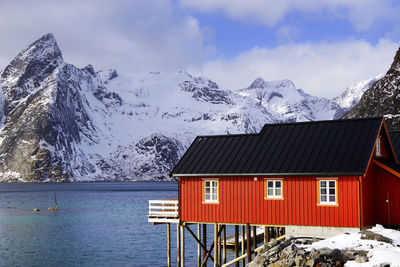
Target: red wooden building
(313,178)
(341,173)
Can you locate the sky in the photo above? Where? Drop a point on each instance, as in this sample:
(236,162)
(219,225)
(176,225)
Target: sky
(323,46)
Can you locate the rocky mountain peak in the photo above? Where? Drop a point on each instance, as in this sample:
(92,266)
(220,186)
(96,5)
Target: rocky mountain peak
(260,83)
(257,83)
(28,70)
(45,50)
(382,99)
(395,67)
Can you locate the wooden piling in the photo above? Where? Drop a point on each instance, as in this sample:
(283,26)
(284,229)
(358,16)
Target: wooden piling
(236,244)
(169,244)
(204,239)
(248,243)
(243,239)
(219,245)
(183,245)
(178,245)
(198,245)
(216,245)
(266,235)
(254,237)
(224,245)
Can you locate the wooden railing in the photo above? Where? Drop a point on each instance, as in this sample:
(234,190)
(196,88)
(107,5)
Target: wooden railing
(163,211)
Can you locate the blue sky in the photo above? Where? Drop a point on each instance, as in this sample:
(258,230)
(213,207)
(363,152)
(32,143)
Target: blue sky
(324,46)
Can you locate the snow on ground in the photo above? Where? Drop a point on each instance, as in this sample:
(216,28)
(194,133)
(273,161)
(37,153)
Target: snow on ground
(378,252)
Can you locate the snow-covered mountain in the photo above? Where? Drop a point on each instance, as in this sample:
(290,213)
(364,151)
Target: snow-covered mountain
(62,123)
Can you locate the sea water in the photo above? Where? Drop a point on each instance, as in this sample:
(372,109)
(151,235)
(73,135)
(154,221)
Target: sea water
(97,224)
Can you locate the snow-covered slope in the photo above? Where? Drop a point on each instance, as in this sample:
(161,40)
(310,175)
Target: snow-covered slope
(62,123)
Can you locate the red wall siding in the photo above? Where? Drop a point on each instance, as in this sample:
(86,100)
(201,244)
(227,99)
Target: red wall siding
(241,200)
(387,185)
(369,197)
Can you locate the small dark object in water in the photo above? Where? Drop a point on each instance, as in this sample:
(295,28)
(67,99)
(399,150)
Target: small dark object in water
(35,210)
(55,200)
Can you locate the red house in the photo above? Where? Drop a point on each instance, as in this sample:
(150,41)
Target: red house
(313,178)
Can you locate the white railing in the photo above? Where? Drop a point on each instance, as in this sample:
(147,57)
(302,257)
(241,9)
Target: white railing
(165,210)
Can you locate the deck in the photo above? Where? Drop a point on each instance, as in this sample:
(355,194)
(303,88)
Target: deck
(163,211)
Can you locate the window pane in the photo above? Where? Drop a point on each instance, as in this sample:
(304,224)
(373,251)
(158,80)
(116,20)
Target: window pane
(278,192)
(331,191)
(332,199)
(323,198)
(214,183)
(207,183)
(323,183)
(215,190)
(207,190)
(278,184)
(331,183)
(207,196)
(270,192)
(270,184)
(323,191)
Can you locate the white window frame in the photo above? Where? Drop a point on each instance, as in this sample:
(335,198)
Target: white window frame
(378,147)
(213,195)
(328,194)
(274,195)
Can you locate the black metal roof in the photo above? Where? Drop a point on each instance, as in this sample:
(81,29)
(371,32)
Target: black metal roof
(395,138)
(307,148)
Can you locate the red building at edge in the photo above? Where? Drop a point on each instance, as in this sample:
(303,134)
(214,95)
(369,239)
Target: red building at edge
(313,178)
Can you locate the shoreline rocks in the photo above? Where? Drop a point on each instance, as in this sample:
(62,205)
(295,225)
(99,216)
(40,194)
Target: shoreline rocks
(294,252)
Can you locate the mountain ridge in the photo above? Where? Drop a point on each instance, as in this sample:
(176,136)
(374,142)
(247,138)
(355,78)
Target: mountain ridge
(63,123)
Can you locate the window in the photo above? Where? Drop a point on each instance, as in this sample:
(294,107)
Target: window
(274,189)
(378,146)
(211,191)
(327,192)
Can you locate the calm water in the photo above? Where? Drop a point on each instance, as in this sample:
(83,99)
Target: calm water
(97,224)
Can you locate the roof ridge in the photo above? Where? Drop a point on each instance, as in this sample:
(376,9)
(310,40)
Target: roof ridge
(321,121)
(228,135)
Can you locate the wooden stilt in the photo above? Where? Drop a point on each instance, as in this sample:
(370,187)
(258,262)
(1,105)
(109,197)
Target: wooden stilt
(169,244)
(216,245)
(248,244)
(204,240)
(254,237)
(183,245)
(243,240)
(198,245)
(219,245)
(266,235)
(224,245)
(178,245)
(236,244)
(209,252)
(198,241)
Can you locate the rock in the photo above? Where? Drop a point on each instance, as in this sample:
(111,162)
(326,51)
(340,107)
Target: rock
(361,258)
(36,210)
(314,253)
(299,260)
(258,261)
(368,235)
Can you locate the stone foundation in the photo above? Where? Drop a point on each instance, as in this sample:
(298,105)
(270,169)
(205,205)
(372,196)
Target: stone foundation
(317,231)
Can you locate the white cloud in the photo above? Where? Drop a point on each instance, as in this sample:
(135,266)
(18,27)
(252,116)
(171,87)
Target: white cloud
(362,13)
(323,69)
(128,35)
